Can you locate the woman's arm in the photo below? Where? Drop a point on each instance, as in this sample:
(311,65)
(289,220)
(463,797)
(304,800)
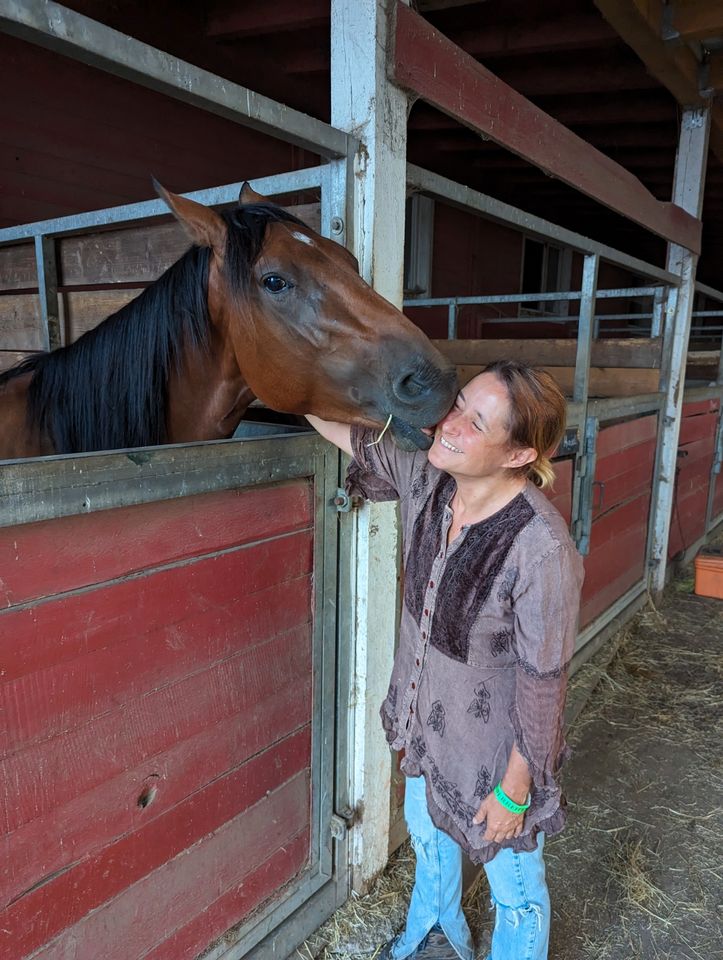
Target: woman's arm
(337,433)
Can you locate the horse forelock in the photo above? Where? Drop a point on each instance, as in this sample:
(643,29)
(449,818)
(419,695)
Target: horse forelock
(108,389)
(247,224)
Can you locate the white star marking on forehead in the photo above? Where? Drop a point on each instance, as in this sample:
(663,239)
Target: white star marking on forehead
(303,238)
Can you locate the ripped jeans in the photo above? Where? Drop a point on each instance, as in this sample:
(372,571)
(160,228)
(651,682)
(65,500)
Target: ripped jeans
(517,884)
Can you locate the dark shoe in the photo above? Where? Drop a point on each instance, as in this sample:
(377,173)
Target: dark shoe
(435,946)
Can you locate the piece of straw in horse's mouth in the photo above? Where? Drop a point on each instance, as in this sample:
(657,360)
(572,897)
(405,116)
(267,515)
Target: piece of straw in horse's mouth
(373,443)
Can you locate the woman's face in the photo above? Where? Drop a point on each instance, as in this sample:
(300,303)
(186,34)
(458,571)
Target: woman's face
(472,440)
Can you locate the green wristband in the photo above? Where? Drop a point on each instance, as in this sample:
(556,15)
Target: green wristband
(508,804)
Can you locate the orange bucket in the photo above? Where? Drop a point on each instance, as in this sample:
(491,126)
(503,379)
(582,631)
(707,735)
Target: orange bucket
(709,572)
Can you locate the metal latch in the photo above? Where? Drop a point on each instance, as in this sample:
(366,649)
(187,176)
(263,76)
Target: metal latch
(344,503)
(338,827)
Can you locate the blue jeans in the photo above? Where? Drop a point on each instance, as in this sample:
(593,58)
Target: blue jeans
(517,884)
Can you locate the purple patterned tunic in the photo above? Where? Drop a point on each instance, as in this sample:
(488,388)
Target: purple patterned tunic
(487,633)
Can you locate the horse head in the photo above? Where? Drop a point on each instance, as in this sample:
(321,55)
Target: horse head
(308,334)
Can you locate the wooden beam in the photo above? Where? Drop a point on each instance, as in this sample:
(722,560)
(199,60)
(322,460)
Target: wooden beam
(697,19)
(428,64)
(574,31)
(604,381)
(631,354)
(714,77)
(640,26)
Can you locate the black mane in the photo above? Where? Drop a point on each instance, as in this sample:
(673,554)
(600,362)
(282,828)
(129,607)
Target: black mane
(108,389)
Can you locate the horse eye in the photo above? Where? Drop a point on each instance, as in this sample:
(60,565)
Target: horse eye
(274,283)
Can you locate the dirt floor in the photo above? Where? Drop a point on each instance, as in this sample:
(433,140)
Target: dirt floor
(638,872)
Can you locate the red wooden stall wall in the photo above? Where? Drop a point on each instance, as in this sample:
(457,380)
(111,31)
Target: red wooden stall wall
(156,686)
(695,459)
(621,501)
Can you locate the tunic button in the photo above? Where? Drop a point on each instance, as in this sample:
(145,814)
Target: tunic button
(414,685)
(426,613)
(417,661)
(431,583)
(424,635)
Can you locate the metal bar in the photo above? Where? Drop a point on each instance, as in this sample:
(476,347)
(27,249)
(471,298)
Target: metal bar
(459,195)
(60,226)
(695,394)
(658,309)
(607,294)
(612,408)
(585,477)
(585,328)
(57,28)
(47,267)
(452,320)
(688,187)
(708,291)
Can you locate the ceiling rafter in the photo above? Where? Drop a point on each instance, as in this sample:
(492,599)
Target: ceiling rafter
(696,19)
(640,24)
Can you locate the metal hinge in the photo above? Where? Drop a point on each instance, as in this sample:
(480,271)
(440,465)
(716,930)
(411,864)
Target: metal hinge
(340,824)
(344,503)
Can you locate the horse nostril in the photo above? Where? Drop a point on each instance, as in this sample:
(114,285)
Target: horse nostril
(411,386)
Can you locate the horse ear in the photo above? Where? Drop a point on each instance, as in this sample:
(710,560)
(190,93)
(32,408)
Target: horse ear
(203,225)
(248,195)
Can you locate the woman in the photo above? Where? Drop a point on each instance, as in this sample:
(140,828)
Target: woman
(491,596)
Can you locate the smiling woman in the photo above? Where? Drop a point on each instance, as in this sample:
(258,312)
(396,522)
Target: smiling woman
(260,306)
(491,595)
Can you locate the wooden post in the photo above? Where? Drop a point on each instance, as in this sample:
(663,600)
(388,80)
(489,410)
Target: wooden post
(366,105)
(688,187)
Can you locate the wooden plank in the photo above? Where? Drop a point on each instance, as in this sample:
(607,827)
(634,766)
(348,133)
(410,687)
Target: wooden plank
(264,786)
(55,556)
(697,19)
(18,267)
(141,916)
(93,755)
(133,651)
(433,67)
(620,436)
(553,352)
(236,903)
(20,322)
(593,606)
(224,19)
(604,381)
(87,308)
(66,834)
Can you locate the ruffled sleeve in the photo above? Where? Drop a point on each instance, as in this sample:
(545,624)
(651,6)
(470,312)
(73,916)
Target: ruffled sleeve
(546,612)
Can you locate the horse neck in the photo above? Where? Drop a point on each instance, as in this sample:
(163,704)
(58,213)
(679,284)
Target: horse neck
(207,393)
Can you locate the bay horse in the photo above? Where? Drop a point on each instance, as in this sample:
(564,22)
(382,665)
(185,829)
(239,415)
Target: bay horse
(260,307)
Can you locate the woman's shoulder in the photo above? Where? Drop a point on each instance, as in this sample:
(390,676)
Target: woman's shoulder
(547,531)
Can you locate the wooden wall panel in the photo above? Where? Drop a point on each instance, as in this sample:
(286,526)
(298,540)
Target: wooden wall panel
(156,752)
(695,459)
(621,503)
(561,493)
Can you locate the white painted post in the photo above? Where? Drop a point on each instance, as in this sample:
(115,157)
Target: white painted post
(365,104)
(688,187)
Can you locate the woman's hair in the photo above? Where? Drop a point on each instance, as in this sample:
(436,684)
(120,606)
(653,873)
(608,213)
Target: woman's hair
(537,417)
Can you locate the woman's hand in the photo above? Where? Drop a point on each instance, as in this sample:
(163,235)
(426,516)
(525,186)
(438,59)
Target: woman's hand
(501,823)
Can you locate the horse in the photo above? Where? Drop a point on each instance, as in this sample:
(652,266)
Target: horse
(260,307)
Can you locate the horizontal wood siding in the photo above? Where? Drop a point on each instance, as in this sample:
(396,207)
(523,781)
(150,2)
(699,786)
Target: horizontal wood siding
(157,696)
(561,493)
(693,466)
(621,501)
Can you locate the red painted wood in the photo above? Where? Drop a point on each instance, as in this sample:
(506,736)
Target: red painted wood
(698,407)
(40,705)
(621,436)
(237,902)
(139,916)
(605,597)
(698,427)
(63,900)
(41,559)
(436,69)
(77,625)
(122,739)
(66,833)
(718,497)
